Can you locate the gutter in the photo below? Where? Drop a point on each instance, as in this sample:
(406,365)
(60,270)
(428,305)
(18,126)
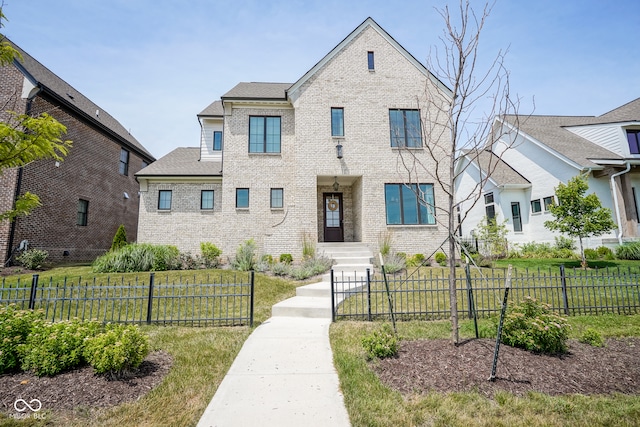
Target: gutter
(615,199)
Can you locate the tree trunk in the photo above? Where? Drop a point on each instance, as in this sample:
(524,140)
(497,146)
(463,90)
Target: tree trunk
(453,298)
(583,262)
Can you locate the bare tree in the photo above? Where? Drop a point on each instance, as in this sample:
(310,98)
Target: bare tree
(452,130)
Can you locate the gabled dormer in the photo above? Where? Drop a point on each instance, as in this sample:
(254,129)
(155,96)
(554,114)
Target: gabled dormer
(211,135)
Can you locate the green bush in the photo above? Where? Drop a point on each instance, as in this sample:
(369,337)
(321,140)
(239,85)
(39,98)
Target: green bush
(32,259)
(565,243)
(286,258)
(592,337)
(605,252)
(532,326)
(15,327)
(210,254)
(54,347)
(311,267)
(118,349)
(415,261)
(629,250)
(394,263)
(441,258)
(139,257)
(120,239)
(381,343)
(188,261)
(245,259)
(590,253)
(281,269)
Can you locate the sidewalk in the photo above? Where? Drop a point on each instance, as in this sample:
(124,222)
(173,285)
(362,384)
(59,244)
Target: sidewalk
(283,376)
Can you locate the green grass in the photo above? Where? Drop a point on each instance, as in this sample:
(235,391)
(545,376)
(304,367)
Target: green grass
(372,404)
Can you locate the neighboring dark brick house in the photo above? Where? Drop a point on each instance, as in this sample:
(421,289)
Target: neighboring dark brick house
(98,175)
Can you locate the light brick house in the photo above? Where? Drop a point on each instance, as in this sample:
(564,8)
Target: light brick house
(317,157)
(88,195)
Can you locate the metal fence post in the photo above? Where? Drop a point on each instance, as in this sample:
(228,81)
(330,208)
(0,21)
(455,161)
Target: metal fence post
(252,276)
(563,281)
(369,294)
(472,303)
(333,290)
(34,288)
(150,300)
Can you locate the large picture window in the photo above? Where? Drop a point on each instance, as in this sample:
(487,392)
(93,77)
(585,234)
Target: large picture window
(410,204)
(264,134)
(405,128)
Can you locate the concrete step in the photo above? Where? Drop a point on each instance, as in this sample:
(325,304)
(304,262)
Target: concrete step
(303,306)
(320,289)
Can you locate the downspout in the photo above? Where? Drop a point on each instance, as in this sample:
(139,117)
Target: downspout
(615,200)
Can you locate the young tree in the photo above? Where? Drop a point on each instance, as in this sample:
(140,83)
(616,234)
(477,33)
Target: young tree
(463,134)
(24,139)
(120,239)
(578,215)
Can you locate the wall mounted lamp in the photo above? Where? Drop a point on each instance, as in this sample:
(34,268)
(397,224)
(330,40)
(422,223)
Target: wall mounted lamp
(339,150)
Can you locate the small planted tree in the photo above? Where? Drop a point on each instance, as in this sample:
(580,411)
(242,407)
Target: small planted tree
(578,215)
(120,239)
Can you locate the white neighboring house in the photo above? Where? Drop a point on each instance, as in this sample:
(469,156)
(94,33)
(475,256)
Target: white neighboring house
(542,151)
(315,158)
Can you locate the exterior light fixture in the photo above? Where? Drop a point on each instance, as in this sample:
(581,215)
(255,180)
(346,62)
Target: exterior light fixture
(339,150)
(335,180)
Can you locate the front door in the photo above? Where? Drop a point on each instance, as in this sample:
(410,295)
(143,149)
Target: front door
(333,229)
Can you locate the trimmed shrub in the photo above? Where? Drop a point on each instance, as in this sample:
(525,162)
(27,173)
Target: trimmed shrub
(629,250)
(531,325)
(116,350)
(605,252)
(15,327)
(286,258)
(381,343)
(592,337)
(590,253)
(210,254)
(441,258)
(120,239)
(54,347)
(32,259)
(245,259)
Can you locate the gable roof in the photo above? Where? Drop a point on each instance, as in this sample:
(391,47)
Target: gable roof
(501,172)
(550,131)
(183,161)
(258,90)
(214,109)
(43,78)
(369,23)
(629,112)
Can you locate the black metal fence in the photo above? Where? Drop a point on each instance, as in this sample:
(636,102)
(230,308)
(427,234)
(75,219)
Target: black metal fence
(221,302)
(425,295)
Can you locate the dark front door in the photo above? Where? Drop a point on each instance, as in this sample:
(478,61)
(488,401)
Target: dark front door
(333,230)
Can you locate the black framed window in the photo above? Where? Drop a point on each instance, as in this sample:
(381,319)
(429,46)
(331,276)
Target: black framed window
(164,200)
(548,201)
(490,208)
(516,217)
(633,137)
(410,204)
(264,134)
(206,199)
(242,197)
(217,140)
(277,198)
(83,212)
(124,162)
(370,62)
(536,207)
(405,128)
(337,122)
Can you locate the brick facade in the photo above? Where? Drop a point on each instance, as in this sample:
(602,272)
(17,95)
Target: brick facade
(307,165)
(90,172)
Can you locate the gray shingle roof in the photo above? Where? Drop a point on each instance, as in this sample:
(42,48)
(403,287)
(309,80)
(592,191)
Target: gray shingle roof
(67,95)
(499,170)
(213,110)
(256,90)
(629,112)
(183,161)
(550,131)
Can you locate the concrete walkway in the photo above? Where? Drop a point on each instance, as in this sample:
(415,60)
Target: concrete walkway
(284,373)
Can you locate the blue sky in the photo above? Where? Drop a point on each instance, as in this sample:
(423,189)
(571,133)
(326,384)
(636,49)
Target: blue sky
(155,64)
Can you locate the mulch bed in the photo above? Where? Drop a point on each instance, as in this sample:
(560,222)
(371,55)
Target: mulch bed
(82,387)
(437,365)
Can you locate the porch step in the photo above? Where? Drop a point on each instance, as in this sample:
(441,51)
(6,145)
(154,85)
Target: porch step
(320,289)
(304,306)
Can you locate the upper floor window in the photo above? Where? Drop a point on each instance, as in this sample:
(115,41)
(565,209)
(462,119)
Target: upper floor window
(264,134)
(124,162)
(164,200)
(242,197)
(405,128)
(490,207)
(633,136)
(206,199)
(277,198)
(548,201)
(337,122)
(83,212)
(515,215)
(536,207)
(410,204)
(370,62)
(217,140)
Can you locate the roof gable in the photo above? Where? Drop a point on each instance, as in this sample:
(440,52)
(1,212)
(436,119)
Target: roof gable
(368,23)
